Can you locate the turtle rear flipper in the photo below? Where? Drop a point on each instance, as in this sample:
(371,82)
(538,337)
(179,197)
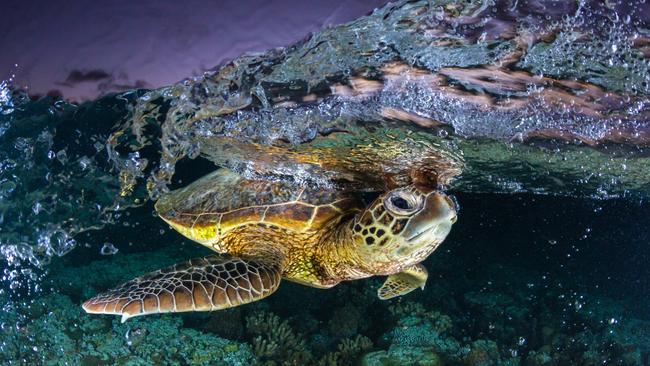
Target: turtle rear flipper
(402,283)
(210,283)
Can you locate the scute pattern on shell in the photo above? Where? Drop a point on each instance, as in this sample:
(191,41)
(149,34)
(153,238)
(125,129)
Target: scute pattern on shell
(225,200)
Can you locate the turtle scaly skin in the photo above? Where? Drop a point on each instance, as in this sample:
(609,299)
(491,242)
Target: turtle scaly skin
(264,231)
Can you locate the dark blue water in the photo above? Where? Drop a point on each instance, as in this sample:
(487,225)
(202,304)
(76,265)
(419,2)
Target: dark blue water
(522,279)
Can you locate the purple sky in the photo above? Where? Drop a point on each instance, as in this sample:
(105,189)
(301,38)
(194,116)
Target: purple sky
(84,49)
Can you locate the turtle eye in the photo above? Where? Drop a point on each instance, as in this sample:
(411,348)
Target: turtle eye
(401,203)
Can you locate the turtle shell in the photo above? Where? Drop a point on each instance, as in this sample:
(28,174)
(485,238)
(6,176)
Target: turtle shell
(223,200)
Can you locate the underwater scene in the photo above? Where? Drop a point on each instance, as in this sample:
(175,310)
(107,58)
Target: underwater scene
(435,183)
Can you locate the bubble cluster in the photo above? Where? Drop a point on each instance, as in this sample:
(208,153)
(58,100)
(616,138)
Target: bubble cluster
(55,180)
(6,103)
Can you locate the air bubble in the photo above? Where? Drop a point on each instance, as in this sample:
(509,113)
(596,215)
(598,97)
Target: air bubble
(6,102)
(84,162)
(59,241)
(108,249)
(62,156)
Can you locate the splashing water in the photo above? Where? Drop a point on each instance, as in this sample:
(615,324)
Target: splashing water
(55,178)
(6,104)
(533,102)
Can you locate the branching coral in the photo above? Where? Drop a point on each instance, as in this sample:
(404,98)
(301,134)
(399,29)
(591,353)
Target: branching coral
(264,348)
(420,329)
(275,343)
(348,350)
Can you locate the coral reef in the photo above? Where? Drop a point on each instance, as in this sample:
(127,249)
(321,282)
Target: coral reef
(479,328)
(59,333)
(428,330)
(348,350)
(395,356)
(275,342)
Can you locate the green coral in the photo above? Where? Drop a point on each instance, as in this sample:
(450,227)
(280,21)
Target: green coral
(59,333)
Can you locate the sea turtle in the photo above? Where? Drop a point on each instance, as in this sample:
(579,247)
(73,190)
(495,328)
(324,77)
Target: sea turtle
(266,230)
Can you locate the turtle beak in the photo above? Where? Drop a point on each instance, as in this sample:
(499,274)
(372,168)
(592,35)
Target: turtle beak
(165,210)
(433,221)
(169,215)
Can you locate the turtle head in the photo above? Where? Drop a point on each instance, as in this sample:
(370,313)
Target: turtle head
(402,227)
(167,209)
(179,209)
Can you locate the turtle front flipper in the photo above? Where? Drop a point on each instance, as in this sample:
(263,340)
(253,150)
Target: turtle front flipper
(402,283)
(211,283)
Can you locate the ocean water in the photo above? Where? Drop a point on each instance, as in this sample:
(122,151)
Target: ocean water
(532,114)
